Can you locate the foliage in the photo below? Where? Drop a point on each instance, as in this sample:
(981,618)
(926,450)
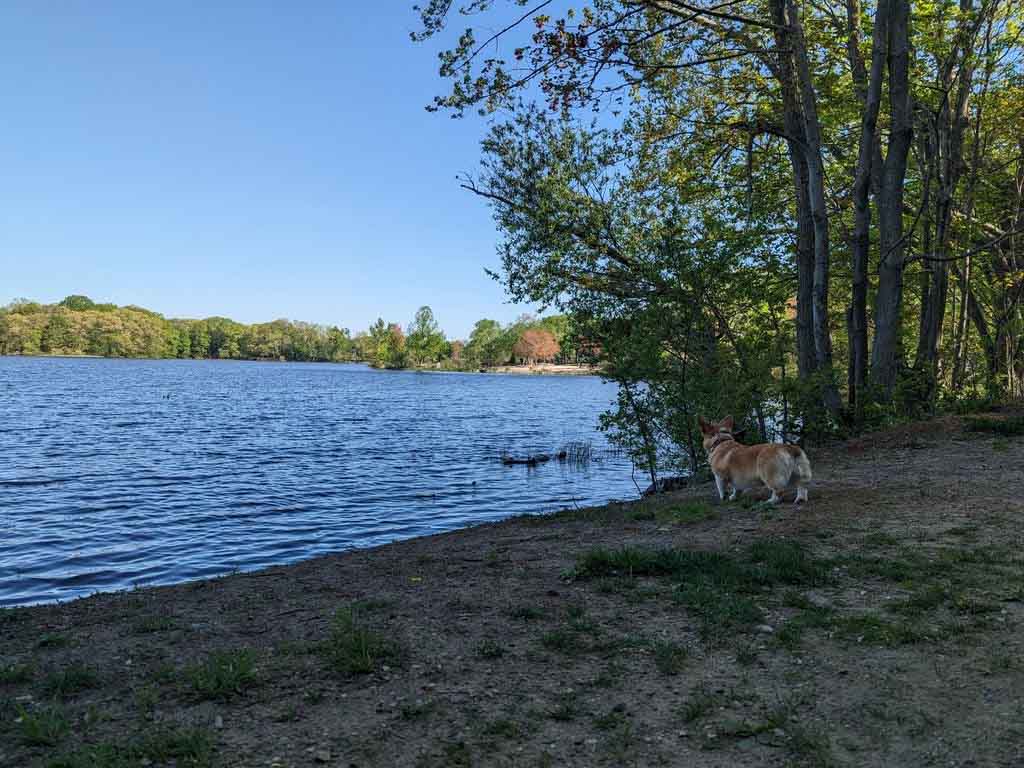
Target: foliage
(711,195)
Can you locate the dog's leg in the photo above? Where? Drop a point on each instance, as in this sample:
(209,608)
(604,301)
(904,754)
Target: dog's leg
(774,498)
(720,485)
(735,493)
(801,495)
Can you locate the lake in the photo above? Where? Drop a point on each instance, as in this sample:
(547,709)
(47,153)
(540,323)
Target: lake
(119,473)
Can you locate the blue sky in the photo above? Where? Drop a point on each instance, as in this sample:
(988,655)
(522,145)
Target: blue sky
(253,160)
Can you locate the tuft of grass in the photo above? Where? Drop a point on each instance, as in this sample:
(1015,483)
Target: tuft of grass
(615,718)
(69,681)
(224,675)
(52,640)
(13,674)
(874,630)
(42,727)
(810,745)
(150,624)
(746,654)
(192,748)
(417,709)
(490,649)
(924,600)
(700,703)
(720,611)
(525,612)
(787,562)
(502,727)
(669,657)
(354,649)
(565,709)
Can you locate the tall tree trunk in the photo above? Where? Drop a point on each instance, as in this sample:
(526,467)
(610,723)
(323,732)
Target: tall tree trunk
(952,119)
(869,87)
(818,208)
(887,353)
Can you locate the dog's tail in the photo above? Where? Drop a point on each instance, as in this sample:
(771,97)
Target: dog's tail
(801,465)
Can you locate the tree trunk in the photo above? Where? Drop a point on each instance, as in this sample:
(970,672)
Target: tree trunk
(869,88)
(802,96)
(887,353)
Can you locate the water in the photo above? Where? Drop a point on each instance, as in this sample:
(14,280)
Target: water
(117,473)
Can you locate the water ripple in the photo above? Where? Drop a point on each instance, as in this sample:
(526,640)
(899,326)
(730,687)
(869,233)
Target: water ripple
(118,473)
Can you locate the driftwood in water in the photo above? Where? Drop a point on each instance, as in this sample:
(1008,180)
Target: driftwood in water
(530,461)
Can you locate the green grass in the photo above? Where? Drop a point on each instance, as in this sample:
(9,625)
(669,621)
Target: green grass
(192,748)
(717,587)
(490,649)
(1008,427)
(150,624)
(503,728)
(14,674)
(42,727)
(679,514)
(566,708)
(354,649)
(224,675)
(875,630)
(417,709)
(613,719)
(69,681)
(669,657)
(525,612)
(52,640)
(700,703)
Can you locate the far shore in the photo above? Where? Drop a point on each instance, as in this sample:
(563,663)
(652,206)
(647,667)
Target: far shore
(878,625)
(538,369)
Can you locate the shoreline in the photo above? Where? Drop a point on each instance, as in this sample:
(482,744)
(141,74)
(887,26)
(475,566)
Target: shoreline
(540,369)
(672,630)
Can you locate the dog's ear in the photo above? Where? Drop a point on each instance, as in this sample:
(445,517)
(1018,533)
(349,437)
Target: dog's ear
(704,426)
(727,424)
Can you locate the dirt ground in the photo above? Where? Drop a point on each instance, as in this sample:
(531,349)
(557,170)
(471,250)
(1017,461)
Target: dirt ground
(878,626)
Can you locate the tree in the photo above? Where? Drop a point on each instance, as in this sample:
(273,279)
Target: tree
(536,345)
(425,342)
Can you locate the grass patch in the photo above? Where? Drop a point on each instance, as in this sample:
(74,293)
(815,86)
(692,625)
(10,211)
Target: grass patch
(700,703)
(502,728)
(224,675)
(565,709)
(490,649)
(678,514)
(150,624)
(43,727)
(874,630)
(354,649)
(1008,427)
(52,640)
(613,719)
(74,679)
(417,709)
(193,748)
(669,658)
(14,674)
(525,612)
(716,586)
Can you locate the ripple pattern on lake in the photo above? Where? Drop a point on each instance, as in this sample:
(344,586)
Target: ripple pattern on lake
(117,473)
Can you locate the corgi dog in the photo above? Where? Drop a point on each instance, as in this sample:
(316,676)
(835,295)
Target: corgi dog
(778,466)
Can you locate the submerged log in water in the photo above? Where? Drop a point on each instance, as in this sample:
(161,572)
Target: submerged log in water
(530,461)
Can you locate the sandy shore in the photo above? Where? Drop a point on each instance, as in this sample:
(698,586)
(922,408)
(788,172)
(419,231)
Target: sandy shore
(879,626)
(549,369)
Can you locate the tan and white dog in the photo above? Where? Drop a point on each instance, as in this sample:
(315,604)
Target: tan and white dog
(780,467)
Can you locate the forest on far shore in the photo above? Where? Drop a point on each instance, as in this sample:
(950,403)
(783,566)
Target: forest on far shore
(79,326)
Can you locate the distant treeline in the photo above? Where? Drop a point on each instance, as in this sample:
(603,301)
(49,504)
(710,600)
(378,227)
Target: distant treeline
(80,326)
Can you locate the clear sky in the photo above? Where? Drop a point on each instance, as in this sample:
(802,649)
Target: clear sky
(255,160)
